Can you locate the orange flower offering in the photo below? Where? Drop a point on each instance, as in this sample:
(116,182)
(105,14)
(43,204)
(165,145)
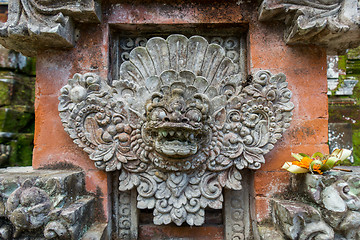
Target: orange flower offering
(317,163)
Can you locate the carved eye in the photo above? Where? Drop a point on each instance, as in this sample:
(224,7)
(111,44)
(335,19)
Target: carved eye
(158,114)
(194,115)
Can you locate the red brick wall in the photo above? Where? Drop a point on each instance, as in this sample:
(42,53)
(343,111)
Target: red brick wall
(3,13)
(305,69)
(304,66)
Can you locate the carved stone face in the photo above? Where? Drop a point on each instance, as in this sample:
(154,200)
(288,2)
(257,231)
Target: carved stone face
(174,129)
(178,124)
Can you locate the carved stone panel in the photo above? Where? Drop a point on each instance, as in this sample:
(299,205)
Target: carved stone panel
(44,204)
(237,211)
(333,24)
(38,24)
(179,124)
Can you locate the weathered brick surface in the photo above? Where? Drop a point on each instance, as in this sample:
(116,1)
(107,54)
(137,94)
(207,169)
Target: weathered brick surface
(305,68)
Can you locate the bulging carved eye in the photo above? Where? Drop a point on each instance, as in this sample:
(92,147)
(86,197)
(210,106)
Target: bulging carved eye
(158,114)
(194,115)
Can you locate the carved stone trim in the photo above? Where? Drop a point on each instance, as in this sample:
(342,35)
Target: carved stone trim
(180,124)
(333,24)
(321,206)
(128,215)
(237,217)
(300,221)
(346,87)
(35,25)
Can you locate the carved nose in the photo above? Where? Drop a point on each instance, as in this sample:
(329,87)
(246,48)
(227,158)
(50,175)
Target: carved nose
(184,120)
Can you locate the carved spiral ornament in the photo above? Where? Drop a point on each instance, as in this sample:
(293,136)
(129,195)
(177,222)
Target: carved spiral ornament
(179,124)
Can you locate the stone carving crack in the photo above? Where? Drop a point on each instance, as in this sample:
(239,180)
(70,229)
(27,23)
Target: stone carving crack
(178,124)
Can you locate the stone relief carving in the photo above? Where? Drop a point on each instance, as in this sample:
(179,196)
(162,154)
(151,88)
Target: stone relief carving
(37,24)
(43,203)
(28,207)
(235,211)
(179,124)
(329,207)
(231,46)
(127,225)
(333,23)
(300,221)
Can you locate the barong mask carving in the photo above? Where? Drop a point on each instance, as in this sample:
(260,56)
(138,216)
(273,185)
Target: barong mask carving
(179,123)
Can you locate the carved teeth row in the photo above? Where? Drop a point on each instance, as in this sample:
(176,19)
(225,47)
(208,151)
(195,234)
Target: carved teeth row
(176,147)
(165,133)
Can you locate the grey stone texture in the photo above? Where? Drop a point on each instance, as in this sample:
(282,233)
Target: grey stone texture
(51,204)
(333,24)
(320,206)
(17,94)
(38,25)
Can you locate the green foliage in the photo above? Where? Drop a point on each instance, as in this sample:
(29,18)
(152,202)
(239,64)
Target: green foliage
(17,115)
(21,150)
(356,144)
(350,64)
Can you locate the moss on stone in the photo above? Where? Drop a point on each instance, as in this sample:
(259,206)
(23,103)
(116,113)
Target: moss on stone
(21,150)
(5,93)
(349,64)
(356,148)
(16,120)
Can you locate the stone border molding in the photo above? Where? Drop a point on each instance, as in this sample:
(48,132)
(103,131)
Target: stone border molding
(35,25)
(333,24)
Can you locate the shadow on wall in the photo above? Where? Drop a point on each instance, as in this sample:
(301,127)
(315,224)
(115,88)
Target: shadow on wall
(17,84)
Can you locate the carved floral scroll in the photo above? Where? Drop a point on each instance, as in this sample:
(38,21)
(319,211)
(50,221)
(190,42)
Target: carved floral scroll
(333,24)
(35,25)
(179,124)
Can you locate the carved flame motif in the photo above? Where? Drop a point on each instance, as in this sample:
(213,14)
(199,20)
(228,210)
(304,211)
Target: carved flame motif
(179,124)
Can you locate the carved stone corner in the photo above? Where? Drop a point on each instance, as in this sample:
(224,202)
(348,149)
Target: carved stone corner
(35,25)
(332,24)
(51,204)
(321,205)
